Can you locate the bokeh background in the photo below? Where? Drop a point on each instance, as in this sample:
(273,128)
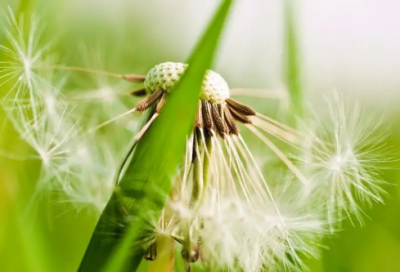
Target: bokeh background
(349,46)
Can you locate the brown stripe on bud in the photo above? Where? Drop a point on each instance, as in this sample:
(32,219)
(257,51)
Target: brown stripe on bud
(148,101)
(239,116)
(218,120)
(240,108)
(161,103)
(140,92)
(230,121)
(199,116)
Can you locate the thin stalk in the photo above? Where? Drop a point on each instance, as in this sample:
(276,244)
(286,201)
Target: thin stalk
(198,178)
(206,165)
(131,77)
(201,167)
(80,69)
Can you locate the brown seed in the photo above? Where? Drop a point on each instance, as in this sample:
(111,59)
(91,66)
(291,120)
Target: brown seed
(134,78)
(207,118)
(148,101)
(230,121)
(240,108)
(239,116)
(207,115)
(218,120)
(140,92)
(199,116)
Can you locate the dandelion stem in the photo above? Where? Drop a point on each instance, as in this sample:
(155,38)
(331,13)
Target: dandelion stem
(165,256)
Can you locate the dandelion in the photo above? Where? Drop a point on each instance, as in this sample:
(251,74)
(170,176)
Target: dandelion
(222,211)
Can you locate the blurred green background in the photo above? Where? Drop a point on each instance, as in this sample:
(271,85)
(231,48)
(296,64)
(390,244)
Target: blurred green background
(351,47)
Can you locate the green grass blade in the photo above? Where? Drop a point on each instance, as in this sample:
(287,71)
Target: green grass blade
(292,59)
(149,175)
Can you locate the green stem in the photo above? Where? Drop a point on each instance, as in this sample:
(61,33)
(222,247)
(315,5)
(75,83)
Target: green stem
(292,61)
(164,261)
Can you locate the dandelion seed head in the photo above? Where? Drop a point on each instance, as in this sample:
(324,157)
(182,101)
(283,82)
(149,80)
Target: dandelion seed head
(165,75)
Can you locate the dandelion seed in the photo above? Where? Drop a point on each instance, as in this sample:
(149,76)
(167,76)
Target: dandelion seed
(50,122)
(24,55)
(344,156)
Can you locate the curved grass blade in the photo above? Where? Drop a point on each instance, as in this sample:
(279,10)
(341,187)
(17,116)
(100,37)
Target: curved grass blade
(292,59)
(148,178)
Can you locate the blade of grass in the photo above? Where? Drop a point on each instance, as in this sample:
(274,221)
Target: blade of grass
(148,178)
(292,59)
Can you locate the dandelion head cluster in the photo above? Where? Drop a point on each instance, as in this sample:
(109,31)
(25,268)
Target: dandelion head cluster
(223,211)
